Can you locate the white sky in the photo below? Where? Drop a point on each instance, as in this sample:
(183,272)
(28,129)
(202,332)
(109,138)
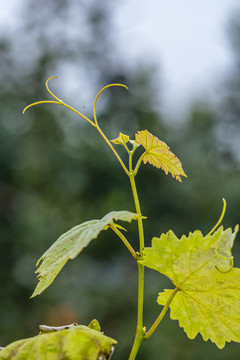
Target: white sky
(186,39)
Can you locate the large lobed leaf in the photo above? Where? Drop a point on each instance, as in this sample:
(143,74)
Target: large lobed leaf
(208,297)
(158,154)
(70,244)
(76,343)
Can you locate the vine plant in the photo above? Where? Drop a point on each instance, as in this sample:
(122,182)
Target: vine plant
(206,294)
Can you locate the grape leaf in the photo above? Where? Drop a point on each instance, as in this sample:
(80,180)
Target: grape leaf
(158,154)
(94,324)
(121,140)
(70,244)
(76,343)
(208,297)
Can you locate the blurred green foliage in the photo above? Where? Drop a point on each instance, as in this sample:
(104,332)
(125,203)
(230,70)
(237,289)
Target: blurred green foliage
(53,177)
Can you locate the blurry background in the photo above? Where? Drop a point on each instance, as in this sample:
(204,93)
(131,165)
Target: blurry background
(181,62)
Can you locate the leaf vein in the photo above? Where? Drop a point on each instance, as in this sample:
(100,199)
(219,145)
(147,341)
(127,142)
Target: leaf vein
(186,309)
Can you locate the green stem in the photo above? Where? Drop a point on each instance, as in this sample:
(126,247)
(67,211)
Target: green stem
(131,152)
(78,113)
(139,337)
(138,211)
(124,240)
(162,314)
(112,148)
(95,124)
(140,297)
(130,161)
(136,345)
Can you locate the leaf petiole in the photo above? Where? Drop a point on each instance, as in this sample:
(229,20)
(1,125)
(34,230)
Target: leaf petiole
(162,314)
(139,163)
(124,240)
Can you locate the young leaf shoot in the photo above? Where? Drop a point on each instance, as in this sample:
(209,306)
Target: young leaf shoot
(206,294)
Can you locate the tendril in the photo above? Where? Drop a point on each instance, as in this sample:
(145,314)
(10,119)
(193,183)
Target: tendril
(221,217)
(230,258)
(223,256)
(96,98)
(225,271)
(50,92)
(58,102)
(41,102)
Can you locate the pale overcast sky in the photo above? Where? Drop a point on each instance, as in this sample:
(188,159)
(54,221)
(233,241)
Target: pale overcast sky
(187,39)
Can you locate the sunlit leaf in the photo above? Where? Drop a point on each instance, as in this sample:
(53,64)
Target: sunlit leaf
(94,324)
(71,243)
(158,154)
(76,343)
(208,300)
(121,140)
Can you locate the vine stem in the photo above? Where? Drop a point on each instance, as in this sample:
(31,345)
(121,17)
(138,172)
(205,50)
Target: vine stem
(138,211)
(139,337)
(100,130)
(112,148)
(140,332)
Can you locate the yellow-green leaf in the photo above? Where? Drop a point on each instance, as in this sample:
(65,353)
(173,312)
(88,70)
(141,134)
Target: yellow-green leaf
(71,243)
(94,324)
(121,140)
(76,343)
(208,300)
(158,154)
